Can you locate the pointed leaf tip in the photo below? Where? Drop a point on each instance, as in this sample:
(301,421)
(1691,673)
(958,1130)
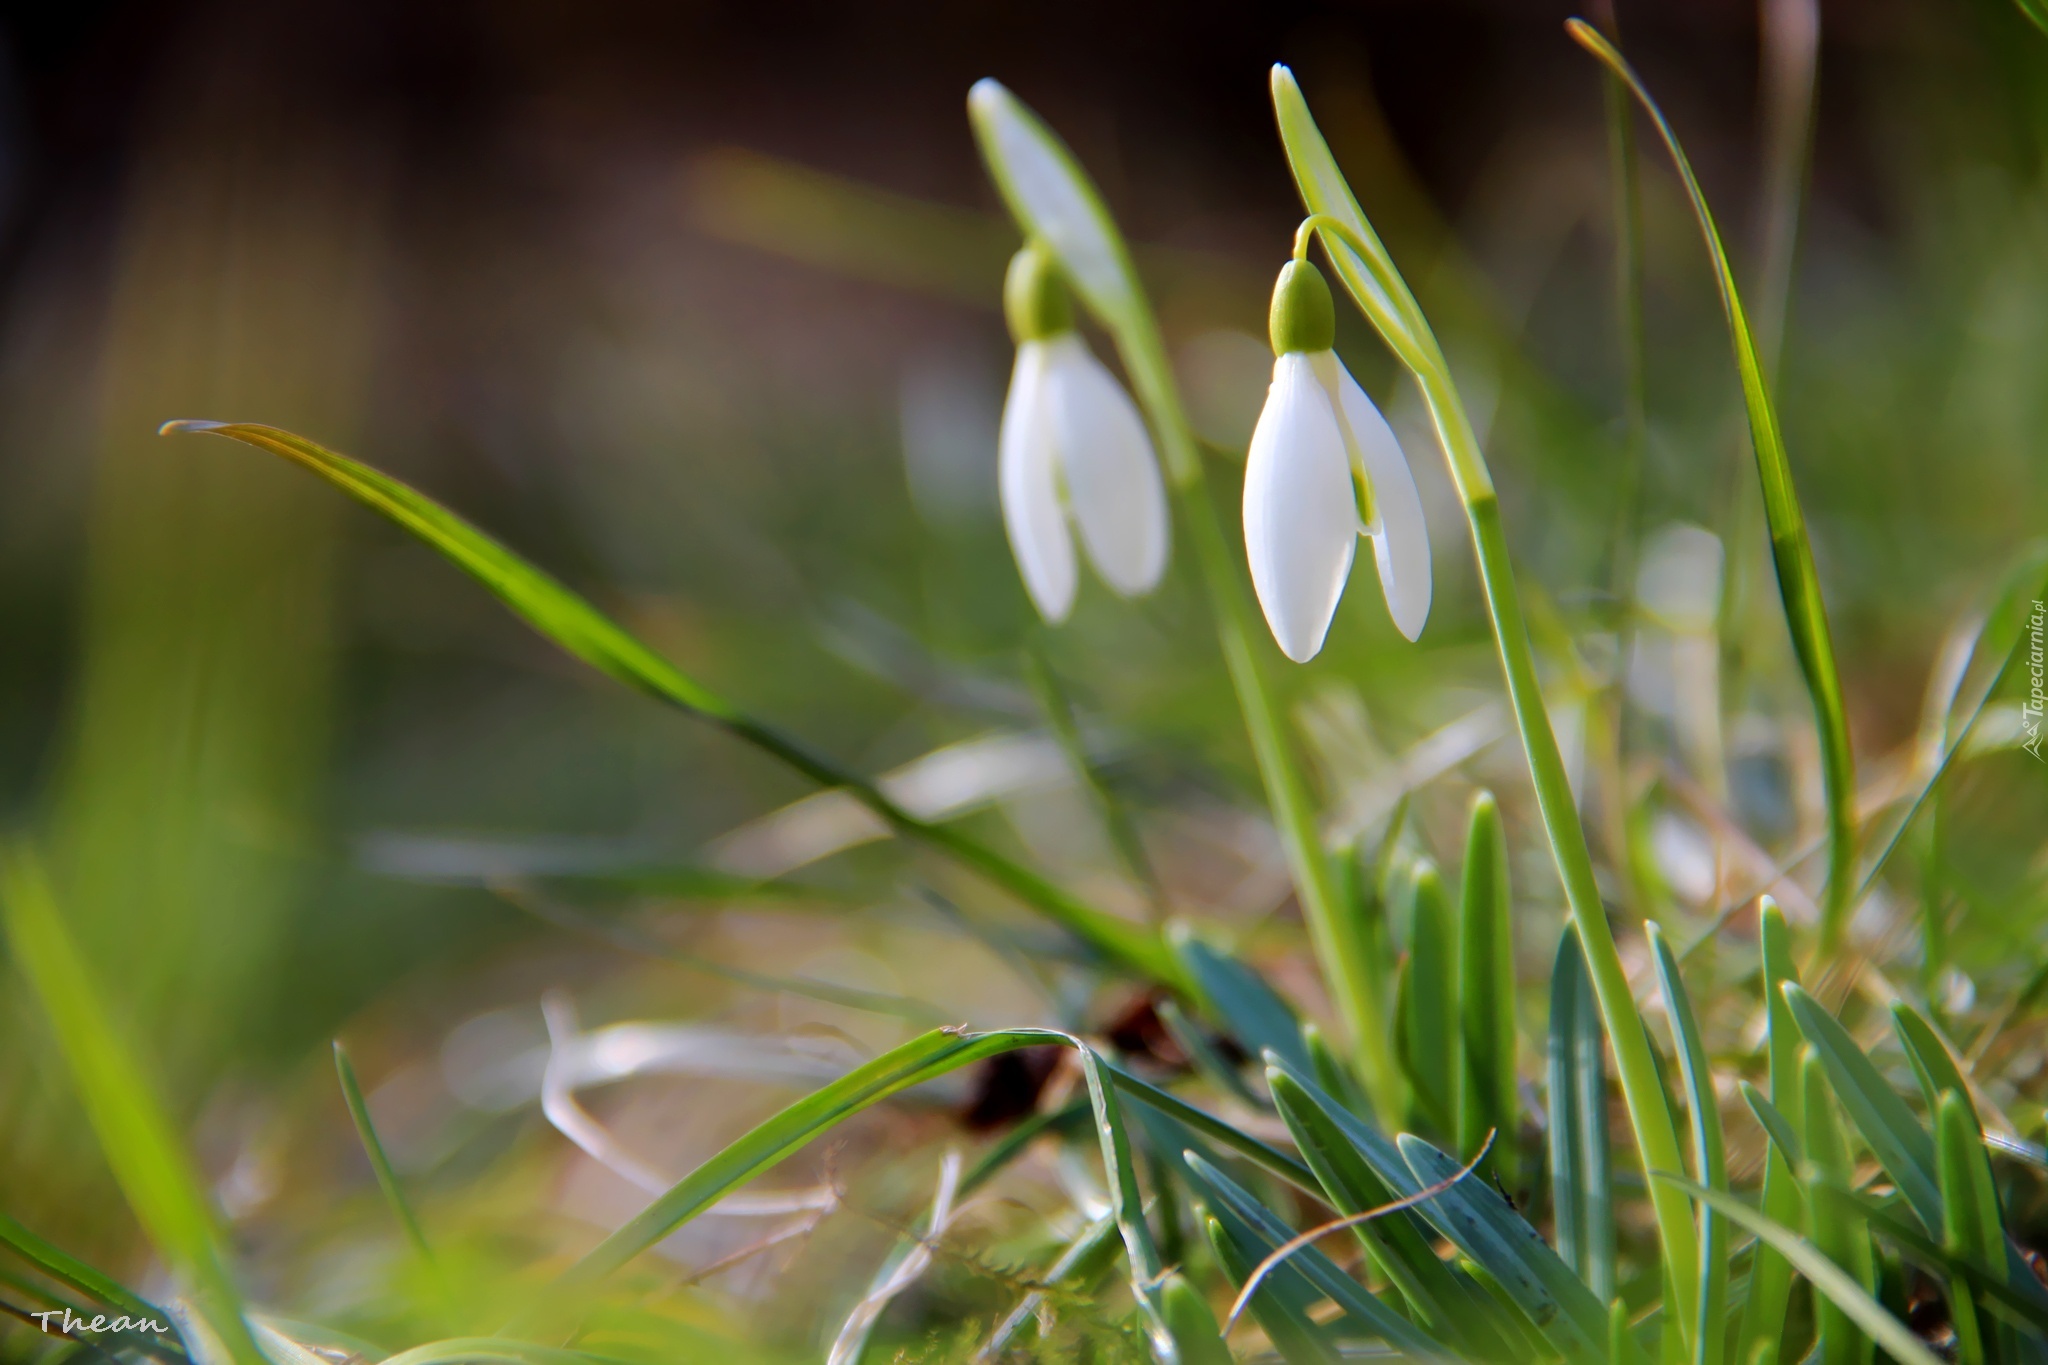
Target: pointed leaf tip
(985,92)
(179,426)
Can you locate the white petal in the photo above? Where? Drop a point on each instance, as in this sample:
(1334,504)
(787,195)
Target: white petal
(1027,478)
(1300,519)
(1113,484)
(1400,536)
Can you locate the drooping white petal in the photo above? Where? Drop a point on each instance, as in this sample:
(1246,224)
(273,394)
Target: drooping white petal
(1113,486)
(1300,519)
(1400,536)
(1027,476)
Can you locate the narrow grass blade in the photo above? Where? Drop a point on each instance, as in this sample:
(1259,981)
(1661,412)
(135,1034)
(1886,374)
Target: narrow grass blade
(1329,1071)
(373,1147)
(1486,993)
(922,1058)
(1792,554)
(1830,1279)
(1216,1130)
(1398,1243)
(1431,1046)
(588,634)
(1205,1057)
(66,1269)
(1053,200)
(2010,1303)
(1582,1181)
(1933,1065)
(1972,1228)
(1624,173)
(1709,1150)
(134,1132)
(1486,1228)
(1784,1138)
(1770,1274)
(1116,817)
(901,1269)
(1999,642)
(1127,1204)
(1837,1232)
(1281,1305)
(1310,1268)
(492,1351)
(1240,1000)
(1902,1146)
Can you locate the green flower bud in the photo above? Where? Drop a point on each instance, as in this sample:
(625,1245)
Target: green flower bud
(1034,296)
(1304,318)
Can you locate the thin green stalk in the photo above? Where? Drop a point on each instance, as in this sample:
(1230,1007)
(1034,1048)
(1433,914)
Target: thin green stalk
(373,1147)
(1791,552)
(1626,186)
(1628,289)
(1116,819)
(1369,273)
(1053,200)
(579,628)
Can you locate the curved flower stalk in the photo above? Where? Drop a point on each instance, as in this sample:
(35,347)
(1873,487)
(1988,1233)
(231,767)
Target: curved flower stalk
(1376,285)
(1325,469)
(1073,448)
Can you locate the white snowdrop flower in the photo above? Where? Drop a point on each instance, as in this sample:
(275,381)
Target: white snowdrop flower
(1324,469)
(1073,447)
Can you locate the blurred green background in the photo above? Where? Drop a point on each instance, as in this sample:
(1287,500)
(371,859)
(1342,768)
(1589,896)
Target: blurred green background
(696,305)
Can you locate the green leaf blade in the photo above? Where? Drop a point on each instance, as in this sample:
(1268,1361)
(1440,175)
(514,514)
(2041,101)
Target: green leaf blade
(1851,1298)
(141,1145)
(1581,1172)
(1709,1149)
(586,633)
(1791,552)
(1486,993)
(1902,1146)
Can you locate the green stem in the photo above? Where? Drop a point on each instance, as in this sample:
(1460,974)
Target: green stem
(1621,572)
(1370,275)
(1649,1115)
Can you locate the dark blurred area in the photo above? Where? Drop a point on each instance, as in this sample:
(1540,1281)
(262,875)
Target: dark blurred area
(696,305)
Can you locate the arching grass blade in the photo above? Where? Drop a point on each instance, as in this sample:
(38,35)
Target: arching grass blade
(1791,553)
(582,630)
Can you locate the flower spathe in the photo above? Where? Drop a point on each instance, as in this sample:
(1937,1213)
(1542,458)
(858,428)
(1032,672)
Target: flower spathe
(1074,449)
(1325,468)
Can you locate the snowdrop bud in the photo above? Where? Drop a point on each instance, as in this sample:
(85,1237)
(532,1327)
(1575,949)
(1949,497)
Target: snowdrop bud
(1034,300)
(1303,317)
(1324,468)
(1073,447)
